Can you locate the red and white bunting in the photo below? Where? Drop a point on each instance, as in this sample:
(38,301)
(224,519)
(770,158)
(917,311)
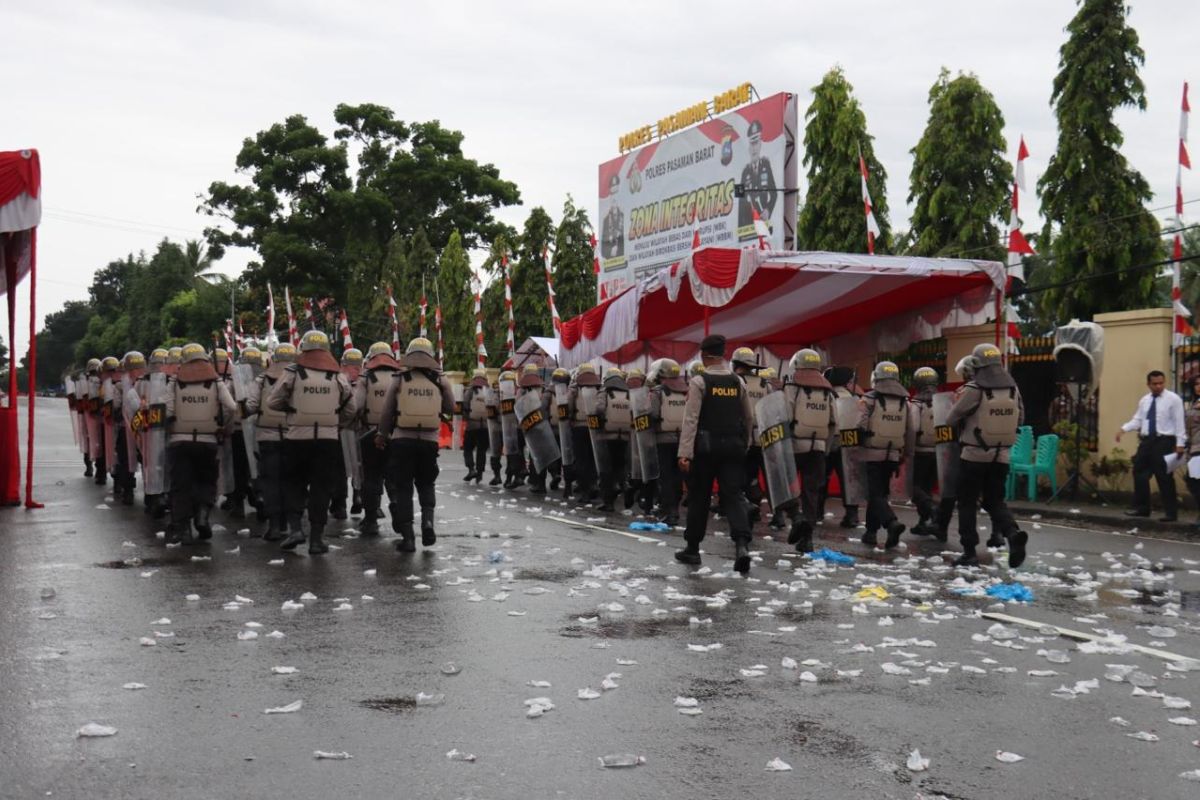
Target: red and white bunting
(308,314)
(1018,245)
(271,338)
(229,337)
(293,333)
(241,337)
(424,309)
(1182,312)
(595,243)
(695,232)
(395,323)
(437,326)
(554,318)
(511,334)
(344,329)
(872,226)
(761,229)
(480,349)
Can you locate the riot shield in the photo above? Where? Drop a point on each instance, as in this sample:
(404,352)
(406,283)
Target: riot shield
(854,479)
(352,456)
(910,447)
(495,436)
(130,405)
(153,436)
(69,387)
(774,416)
(227,480)
(947,446)
(539,436)
(562,408)
(645,441)
(587,394)
(110,432)
(243,388)
(508,418)
(460,417)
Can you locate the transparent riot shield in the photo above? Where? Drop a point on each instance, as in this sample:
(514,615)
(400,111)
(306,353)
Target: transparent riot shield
(947,446)
(539,436)
(562,409)
(243,387)
(910,448)
(854,480)
(351,456)
(508,418)
(130,405)
(107,412)
(460,417)
(773,414)
(588,395)
(153,436)
(69,387)
(495,435)
(645,440)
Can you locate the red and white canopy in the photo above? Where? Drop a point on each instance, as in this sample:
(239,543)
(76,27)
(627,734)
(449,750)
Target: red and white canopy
(781,301)
(20,210)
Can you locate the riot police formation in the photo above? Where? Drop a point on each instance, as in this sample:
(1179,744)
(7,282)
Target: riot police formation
(200,413)
(418,400)
(585,433)
(809,397)
(133,366)
(746,366)
(475,439)
(668,401)
(923,467)
(885,434)
(270,435)
(318,401)
(533,409)
(370,396)
(614,423)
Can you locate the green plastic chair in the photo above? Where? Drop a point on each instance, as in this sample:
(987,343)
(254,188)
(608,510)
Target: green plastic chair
(1044,463)
(1021,453)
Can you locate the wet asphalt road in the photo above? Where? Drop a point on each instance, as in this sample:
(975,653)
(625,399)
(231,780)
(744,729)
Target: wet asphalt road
(198,729)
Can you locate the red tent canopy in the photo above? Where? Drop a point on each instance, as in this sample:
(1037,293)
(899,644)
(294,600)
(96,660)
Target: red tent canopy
(781,301)
(20,214)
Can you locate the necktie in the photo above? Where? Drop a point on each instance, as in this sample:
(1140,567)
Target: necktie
(1153,415)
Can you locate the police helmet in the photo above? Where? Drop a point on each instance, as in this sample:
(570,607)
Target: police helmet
(93,365)
(133,360)
(966,366)
(885,370)
(192,352)
(352,357)
(745,357)
(220,356)
(560,375)
(925,377)
(284,353)
(695,368)
(175,355)
(585,375)
(158,356)
(110,363)
(987,354)
(805,359)
(250,355)
(314,340)
(377,349)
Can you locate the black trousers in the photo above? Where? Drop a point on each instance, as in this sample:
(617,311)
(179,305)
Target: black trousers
(583,471)
(670,480)
(412,462)
(879,511)
(475,447)
(924,467)
(811,469)
(986,480)
(1147,461)
(242,488)
(271,482)
(375,476)
(613,481)
(754,463)
(124,474)
(1193,485)
(729,470)
(337,491)
(834,461)
(193,479)
(312,468)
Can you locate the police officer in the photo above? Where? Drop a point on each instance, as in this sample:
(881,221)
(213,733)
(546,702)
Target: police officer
(418,400)
(965,369)
(558,474)
(155,504)
(270,435)
(924,463)
(370,396)
(668,401)
(636,489)
(758,182)
(842,380)
(351,364)
(174,359)
(616,421)
(475,440)
(243,489)
(712,444)
(987,414)
(133,366)
(318,400)
(885,429)
(530,382)
(583,472)
(95,419)
(200,413)
(811,398)
(612,230)
(495,443)
(746,366)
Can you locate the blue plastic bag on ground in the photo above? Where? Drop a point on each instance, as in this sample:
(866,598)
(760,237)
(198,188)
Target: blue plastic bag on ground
(832,556)
(1011,591)
(649,526)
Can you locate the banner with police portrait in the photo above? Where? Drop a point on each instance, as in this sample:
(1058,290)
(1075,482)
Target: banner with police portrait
(719,173)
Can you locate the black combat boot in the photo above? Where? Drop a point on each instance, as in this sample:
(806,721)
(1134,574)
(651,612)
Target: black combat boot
(370,524)
(294,539)
(273,532)
(741,556)
(356,506)
(203,526)
(967,559)
(428,537)
(1017,541)
(87,467)
(407,542)
(689,555)
(800,535)
(237,507)
(894,529)
(397,525)
(850,519)
(316,541)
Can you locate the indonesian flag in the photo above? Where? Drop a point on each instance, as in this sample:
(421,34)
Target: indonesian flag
(271,338)
(554,318)
(424,310)
(872,226)
(293,333)
(760,229)
(1182,312)
(1018,245)
(395,323)
(437,327)
(480,350)
(344,329)
(510,339)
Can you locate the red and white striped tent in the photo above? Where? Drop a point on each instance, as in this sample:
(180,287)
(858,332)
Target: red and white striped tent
(851,305)
(20,214)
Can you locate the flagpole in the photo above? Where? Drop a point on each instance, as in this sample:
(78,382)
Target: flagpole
(1018,245)
(1179,312)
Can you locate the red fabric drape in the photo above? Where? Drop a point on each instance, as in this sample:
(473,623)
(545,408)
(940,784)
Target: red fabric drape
(588,324)
(716,267)
(31,379)
(19,173)
(10,454)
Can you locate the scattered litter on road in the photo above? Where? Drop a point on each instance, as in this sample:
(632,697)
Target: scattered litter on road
(621,760)
(288,709)
(322,754)
(778,765)
(916,762)
(95,730)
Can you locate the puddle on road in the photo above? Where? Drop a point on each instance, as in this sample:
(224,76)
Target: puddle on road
(396,705)
(545,574)
(135,563)
(816,738)
(625,629)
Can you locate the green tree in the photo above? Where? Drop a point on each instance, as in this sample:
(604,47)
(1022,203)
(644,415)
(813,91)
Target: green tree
(458,305)
(420,270)
(495,318)
(834,135)
(573,262)
(530,307)
(57,339)
(960,180)
(1093,201)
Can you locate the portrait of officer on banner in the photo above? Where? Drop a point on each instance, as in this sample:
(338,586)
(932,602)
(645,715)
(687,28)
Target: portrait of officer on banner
(612,230)
(758,185)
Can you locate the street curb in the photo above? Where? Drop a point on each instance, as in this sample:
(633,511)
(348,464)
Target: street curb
(1116,522)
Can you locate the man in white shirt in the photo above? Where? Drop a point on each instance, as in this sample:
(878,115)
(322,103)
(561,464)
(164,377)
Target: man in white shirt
(1161,431)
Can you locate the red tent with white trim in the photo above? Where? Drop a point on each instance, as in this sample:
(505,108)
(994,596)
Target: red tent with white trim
(851,305)
(20,214)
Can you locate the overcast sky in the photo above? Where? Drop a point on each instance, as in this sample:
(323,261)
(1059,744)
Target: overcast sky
(136,105)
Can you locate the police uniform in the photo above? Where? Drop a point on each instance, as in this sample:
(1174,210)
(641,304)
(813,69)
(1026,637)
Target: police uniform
(924,460)
(668,402)
(616,421)
(612,230)
(987,414)
(243,488)
(559,412)
(715,436)
(493,412)
(841,378)
(200,413)
(125,477)
(636,489)
(351,364)
(370,397)
(531,383)
(417,401)
(758,183)
(155,504)
(885,427)
(475,439)
(583,472)
(318,400)
(96,411)
(745,364)
(813,426)
(270,434)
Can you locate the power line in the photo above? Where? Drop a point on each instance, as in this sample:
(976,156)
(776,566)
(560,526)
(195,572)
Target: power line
(1026,290)
(102,221)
